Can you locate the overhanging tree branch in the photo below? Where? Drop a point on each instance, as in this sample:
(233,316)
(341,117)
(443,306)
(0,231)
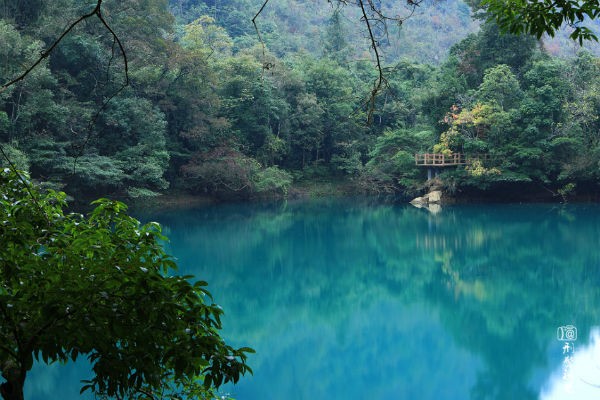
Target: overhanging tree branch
(380,81)
(97,11)
(256,26)
(371,13)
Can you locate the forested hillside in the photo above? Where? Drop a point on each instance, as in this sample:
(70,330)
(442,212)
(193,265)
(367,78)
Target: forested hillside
(209,110)
(426,34)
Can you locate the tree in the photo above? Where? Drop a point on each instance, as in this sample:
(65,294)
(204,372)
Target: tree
(335,42)
(490,47)
(102,286)
(392,161)
(500,86)
(307,128)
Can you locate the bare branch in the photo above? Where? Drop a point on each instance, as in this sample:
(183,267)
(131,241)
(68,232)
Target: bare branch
(380,81)
(97,11)
(47,52)
(81,147)
(115,38)
(257,30)
(372,16)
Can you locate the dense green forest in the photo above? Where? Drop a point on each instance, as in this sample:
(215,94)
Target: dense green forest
(209,109)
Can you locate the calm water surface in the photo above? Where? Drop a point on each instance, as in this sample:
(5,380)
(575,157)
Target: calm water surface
(368,301)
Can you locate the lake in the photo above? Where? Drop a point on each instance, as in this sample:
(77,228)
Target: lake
(349,299)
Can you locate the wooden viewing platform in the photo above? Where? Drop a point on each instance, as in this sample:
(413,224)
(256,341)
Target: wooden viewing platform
(439,159)
(447,160)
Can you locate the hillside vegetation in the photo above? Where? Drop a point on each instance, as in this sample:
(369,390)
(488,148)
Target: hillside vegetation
(210,110)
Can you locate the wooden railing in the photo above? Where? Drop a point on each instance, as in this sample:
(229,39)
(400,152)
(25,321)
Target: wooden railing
(439,159)
(448,160)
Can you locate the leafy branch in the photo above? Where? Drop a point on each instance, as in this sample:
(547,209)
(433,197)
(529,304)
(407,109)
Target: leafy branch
(545,17)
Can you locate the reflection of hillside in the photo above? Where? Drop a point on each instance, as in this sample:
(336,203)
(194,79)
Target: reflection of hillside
(536,273)
(500,279)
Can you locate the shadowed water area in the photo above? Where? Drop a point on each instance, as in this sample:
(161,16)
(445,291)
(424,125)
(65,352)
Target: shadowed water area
(356,300)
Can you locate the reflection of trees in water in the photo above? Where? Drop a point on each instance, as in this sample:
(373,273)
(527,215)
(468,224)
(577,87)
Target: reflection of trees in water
(503,278)
(525,274)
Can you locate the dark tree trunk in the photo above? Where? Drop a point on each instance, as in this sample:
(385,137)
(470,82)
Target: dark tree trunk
(11,391)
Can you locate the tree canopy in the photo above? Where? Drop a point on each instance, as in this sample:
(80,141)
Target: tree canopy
(209,110)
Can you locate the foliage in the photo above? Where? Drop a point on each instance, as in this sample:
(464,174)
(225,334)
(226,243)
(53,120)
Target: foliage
(272,179)
(227,172)
(545,17)
(392,164)
(101,286)
(212,110)
(221,170)
(15,156)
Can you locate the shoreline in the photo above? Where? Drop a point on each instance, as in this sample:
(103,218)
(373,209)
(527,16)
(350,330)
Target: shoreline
(331,189)
(181,201)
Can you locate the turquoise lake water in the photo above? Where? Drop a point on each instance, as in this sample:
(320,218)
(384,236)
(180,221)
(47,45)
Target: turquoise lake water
(359,300)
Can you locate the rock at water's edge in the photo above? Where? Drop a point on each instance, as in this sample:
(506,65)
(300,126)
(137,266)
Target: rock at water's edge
(434,197)
(419,201)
